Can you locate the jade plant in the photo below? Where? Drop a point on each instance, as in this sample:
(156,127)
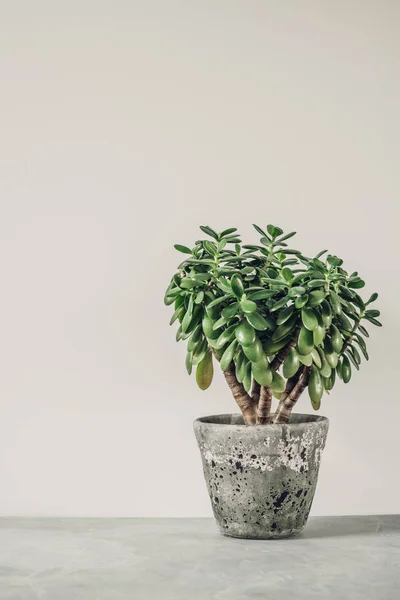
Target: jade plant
(276,321)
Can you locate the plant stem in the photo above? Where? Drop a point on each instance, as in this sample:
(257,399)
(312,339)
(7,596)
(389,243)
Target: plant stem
(242,398)
(286,405)
(264,406)
(255,391)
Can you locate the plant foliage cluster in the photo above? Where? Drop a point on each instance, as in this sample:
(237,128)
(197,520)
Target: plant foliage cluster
(249,305)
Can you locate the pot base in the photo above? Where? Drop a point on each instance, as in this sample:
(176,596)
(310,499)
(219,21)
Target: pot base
(267,536)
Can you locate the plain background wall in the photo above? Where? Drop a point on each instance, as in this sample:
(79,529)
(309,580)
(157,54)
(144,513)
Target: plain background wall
(125,125)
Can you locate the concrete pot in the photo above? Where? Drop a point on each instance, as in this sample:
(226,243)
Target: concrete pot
(261,479)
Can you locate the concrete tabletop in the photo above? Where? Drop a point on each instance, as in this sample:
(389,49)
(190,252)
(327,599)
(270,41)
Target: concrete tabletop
(346,558)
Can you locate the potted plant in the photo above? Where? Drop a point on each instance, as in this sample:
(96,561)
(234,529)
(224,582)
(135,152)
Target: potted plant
(277,323)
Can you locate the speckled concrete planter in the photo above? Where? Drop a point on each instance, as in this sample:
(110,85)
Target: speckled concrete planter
(261,479)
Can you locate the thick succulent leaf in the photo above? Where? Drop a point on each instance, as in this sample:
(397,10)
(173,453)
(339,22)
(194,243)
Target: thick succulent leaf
(205,372)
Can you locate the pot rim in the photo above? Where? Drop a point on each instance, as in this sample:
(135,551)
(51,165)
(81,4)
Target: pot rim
(309,419)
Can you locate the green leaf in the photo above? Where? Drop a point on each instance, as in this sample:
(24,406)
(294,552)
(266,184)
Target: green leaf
(284,329)
(259,230)
(325,369)
(315,297)
(254,351)
(316,358)
(221,245)
(233,239)
(271,347)
(287,274)
(188,316)
(257,321)
(200,352)
(182,248)
(356,283)
(346,369)
(350,355)
(330,355)
(230,311)
(290,251)
(363,347)
(261,372)
(205,372)
(318,265)
(208,231)
(301,301)
(315,388)
(335,302)
(363,331)
(225,337)
(309,319)
(296,291)
(336,338)
(210,247)
(373,321)
(261,294)
(240,366)
(339,369)
(315,283)
(228,355)
(207,324)
(198,261)
(274,231)
(291,364)
(329,382)
(188,363)
(199,297)
(372,298)
(247,378)
(372,313)
(305,342)
(306,359)
(356,354)
(265,240)
(193,341)
(280,304)
(228,231)
(326,313)
(218,301)
(219,323)
(245,334)
(344,322)
(213,312)
(334,261)
(278,383)
(171,296)
(237,285)
(286,236)
(276,282)
(285,314)
(178,312)
(248,306)
(200,278)
(187,283)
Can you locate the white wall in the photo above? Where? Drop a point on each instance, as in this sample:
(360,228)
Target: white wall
(125,125)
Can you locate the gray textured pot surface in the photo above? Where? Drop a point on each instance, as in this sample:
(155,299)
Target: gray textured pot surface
(261,478)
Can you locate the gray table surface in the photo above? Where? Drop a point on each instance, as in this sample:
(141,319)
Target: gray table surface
(349,558)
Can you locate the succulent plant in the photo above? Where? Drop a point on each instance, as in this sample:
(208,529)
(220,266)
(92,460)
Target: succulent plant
(258,309)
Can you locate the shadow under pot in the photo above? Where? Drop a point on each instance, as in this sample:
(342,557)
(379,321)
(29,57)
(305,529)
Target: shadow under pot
(261,479)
